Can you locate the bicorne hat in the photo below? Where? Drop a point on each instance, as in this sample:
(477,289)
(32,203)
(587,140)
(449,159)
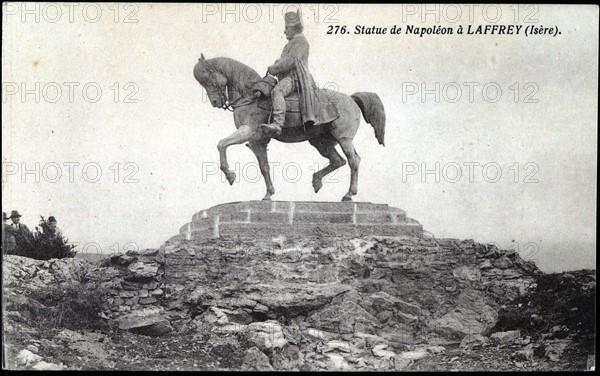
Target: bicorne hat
(293,18)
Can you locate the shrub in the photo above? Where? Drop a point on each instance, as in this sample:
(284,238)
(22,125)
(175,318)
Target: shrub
(45,245)
(73,306)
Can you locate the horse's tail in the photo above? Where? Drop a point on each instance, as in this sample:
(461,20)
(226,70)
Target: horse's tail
(373,112)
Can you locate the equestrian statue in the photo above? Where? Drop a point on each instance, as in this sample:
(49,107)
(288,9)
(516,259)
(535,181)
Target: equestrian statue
(286,105)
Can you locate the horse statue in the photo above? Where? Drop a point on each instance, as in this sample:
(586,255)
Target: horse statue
(228,84)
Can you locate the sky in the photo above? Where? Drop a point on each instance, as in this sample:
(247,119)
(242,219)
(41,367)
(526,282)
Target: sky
(491,137)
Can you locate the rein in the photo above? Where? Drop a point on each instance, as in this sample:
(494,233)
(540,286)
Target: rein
(227,106)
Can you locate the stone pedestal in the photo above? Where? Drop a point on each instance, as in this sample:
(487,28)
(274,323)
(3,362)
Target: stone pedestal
(269,219)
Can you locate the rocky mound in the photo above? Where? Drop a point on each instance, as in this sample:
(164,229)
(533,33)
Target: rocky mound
(334,304)
(24,272)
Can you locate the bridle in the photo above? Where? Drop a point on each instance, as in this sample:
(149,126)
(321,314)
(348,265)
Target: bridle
(227,106)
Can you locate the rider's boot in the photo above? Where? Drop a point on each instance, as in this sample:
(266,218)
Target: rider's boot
(274,129)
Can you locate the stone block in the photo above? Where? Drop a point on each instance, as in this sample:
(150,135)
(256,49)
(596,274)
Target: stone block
(268,206)
(133,301)
(235,217)
(323,217)
(374,217)
(204,233)
(127,285)
(150,285)
(148,300)
(127,293)
(311,207)
(269,217)
(368,206)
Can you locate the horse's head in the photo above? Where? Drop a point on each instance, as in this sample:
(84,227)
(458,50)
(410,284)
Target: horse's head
(215,83)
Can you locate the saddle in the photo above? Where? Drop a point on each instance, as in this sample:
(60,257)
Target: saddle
(292,103)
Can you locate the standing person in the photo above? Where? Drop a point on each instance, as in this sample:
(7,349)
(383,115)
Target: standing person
(55,231)
(23,236)
(8,236)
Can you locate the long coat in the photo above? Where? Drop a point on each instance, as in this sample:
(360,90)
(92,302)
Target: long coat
(22,235)
(294,62)
(296,49)
(9,244)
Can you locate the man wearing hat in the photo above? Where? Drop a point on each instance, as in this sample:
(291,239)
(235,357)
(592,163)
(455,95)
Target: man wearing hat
(54,230)
(292,71)
(8,236)
(22,234)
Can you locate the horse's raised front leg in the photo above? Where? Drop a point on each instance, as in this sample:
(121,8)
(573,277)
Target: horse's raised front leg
(243,134)
(353,161)
(259,149)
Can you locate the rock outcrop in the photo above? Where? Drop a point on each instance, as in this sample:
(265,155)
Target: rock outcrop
(324,303)
(135,282)
(25,272)
(364,303)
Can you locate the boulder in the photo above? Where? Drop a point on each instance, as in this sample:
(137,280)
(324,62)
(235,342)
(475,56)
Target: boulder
(436,349)
(467,273)
(45,366)
(148,321)
(414,355)
(26,357)
(212,316)
(381,352)
(142,271)
(337,362)
(156,329)
(503,263)
(266,335)
(525,354)
(554,349)
(471,315)
(69,335)
(342,346)
(342,317)
(256,360)
(506,338)
(473,341)
(401,363)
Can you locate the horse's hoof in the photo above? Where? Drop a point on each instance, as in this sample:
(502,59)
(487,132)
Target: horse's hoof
(346,198)
(231,177)
(317,185)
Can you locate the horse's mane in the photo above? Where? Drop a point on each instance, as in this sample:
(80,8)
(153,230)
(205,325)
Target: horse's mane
(239,75)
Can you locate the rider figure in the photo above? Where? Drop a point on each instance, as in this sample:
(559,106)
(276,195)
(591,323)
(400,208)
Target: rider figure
(285,69)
